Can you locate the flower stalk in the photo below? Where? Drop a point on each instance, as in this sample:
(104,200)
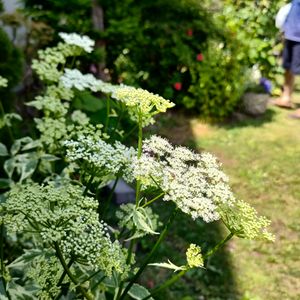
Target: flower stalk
(61,258)
(150,255)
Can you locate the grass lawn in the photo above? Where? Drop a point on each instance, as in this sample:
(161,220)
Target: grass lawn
(262,158)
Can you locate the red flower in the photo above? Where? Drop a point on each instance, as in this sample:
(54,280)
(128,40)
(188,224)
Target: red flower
(200,57)
(177,86)
(189,32)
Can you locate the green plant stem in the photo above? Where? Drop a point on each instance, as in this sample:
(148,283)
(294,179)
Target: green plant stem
(107,114)
(118,123)
(88,185)
(98,282)
(59,254)
(130,132)
(152,200)
(175,277)
(139,153)
(62,277)
(218,246)
(169,282)
(150,255)
(110,197)
(7,127)
(1,249)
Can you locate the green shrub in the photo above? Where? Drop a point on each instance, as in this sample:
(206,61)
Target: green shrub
(217,82)
(11,63)
(253,25)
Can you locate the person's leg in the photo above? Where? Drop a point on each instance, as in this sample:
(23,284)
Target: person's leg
(288,86)
(285,100)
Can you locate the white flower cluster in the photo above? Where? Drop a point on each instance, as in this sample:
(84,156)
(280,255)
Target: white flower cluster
(46,66)
(104,159)
(193,181)
(142,105)
(63,215)
(73,78)
(3,81)
(81,41)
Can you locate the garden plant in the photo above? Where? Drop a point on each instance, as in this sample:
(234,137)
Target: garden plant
(68,239)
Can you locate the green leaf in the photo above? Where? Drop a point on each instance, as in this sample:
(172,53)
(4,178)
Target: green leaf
(5,183)
(9,166)
(18,292)
(142,222)
(49,157)
(139,292)
(26,258)
(28,168)
(2,290)
(87,102)
(32,145)
(3,150)
(15,148)
(169,265)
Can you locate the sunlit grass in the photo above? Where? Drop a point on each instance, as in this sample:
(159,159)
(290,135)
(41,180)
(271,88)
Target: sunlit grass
(262,158)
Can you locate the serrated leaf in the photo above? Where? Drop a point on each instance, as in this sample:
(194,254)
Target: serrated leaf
(18,292)
(136,235)
(3,150)
(169,265)
(142,222)
(25,258)
(139,292)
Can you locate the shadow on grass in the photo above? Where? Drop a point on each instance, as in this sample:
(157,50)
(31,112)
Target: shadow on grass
(242,120)
(216,280)
(213,282)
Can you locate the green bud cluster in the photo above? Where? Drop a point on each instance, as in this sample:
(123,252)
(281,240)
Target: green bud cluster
(243,221)
(63,215)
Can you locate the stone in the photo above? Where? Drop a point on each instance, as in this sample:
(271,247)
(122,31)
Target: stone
(255,104)
(123,193)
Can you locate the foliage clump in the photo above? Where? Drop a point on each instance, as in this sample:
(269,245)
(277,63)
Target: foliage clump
(60,212)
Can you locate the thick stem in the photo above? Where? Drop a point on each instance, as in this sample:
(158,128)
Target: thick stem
(60,256)
(150,255)
(152,200)
(63,275)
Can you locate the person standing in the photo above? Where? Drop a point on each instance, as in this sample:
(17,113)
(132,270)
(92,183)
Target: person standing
(291,57)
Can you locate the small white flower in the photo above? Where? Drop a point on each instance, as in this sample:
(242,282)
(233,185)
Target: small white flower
(193,181)
(3,82)
(83,41)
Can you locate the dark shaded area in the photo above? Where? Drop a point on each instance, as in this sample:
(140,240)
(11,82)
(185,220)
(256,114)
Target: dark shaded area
(216,280)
